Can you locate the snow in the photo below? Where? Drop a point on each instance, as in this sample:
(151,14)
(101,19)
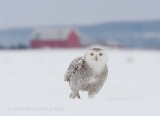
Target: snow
(31,84)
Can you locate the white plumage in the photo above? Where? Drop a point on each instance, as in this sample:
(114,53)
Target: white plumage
(87,73)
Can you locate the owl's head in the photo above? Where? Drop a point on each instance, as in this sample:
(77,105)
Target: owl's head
(96,55)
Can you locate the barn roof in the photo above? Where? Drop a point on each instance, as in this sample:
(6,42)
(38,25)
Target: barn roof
(48,33)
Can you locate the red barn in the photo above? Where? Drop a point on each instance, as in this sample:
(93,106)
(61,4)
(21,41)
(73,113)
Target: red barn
(54,37)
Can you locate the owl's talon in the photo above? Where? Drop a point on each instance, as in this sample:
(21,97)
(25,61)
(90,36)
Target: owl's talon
(91,95)
(73,95)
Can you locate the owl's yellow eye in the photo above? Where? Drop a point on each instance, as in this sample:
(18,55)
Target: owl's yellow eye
(91,54)
(100,54)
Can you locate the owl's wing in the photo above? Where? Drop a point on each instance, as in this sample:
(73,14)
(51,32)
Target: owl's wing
(75,65)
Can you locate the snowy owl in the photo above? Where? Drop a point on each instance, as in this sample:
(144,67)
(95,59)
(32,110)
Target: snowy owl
(87,73)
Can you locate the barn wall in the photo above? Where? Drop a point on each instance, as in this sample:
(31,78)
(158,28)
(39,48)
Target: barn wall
(71,41)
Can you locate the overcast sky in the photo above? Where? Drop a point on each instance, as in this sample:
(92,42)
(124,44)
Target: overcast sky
(21,13)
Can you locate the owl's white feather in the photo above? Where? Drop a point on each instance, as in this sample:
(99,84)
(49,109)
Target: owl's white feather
(87,73)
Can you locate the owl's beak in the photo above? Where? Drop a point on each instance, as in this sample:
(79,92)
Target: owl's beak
(96,58)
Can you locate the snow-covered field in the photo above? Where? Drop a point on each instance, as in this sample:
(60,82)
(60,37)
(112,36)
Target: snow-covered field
(31,84)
